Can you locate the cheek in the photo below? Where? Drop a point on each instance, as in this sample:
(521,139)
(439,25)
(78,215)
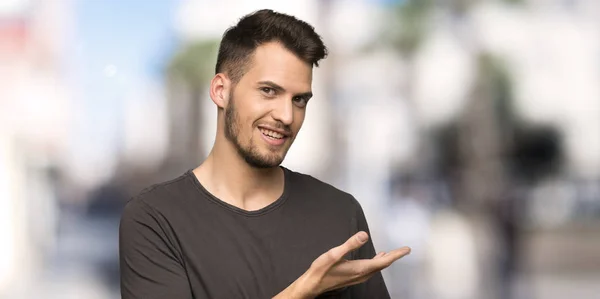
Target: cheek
(247,124)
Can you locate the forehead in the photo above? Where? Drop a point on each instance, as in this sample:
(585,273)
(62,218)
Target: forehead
(273,62)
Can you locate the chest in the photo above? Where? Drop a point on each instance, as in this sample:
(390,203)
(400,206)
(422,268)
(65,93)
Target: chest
(237,257)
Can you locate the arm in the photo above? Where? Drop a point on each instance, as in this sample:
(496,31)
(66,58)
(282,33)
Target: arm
(149,262)
(332,271)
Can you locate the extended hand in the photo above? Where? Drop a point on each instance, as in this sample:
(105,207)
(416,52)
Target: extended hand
(331,271)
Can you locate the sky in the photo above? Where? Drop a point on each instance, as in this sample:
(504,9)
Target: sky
(119,48)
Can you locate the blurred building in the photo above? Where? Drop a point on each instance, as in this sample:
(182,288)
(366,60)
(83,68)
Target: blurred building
(34,118)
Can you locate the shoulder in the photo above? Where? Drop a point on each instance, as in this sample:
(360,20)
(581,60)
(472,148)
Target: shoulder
(161,197)
(325,193)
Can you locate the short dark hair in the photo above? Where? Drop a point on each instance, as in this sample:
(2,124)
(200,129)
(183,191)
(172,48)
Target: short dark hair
(240,41)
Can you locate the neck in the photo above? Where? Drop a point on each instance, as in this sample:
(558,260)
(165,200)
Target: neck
(226,175)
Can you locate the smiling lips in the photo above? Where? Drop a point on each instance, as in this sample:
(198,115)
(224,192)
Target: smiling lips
(274,137)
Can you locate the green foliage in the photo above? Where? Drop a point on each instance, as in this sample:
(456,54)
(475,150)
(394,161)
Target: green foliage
(195,63)
(408,25)
(408,22)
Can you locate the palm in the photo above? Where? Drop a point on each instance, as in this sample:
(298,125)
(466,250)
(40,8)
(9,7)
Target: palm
(332,271)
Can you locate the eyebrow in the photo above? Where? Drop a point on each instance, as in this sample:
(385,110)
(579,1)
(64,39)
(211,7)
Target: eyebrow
(277,87)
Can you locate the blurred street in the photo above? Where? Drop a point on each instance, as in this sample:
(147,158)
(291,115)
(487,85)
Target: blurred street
(82,265)
(562,263)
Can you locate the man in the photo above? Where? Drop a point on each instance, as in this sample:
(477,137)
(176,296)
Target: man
(240,225)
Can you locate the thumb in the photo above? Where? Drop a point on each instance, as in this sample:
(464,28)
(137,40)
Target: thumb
(353,243)
(337,253)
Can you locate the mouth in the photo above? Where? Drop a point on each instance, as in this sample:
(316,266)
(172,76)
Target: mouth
(273,137)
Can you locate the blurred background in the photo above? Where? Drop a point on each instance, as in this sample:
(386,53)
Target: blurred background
(468,130)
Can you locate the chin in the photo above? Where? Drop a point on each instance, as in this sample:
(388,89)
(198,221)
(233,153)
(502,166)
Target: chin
(263,164)
(273,162)
(264,160)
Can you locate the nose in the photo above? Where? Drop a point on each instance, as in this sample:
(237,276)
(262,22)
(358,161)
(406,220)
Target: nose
(284,111)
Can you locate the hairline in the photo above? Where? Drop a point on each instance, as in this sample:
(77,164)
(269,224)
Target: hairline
(248,62)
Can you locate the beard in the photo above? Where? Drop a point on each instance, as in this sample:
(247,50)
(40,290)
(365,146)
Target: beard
(251,152)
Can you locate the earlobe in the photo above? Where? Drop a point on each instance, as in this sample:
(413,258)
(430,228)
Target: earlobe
(219,90)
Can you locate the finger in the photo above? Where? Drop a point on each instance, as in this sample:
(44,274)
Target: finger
(390,257)
(368,266)
(334,255)
(363,267)
(353,243)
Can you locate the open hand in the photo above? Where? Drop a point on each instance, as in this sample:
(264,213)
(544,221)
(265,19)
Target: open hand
(332,271)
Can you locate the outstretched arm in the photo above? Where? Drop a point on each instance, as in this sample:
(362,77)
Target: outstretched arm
(331,271)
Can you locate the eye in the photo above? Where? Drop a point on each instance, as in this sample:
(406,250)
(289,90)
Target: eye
(300,101)
(268,91)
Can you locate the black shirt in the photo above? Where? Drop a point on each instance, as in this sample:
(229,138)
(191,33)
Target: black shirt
(178,241)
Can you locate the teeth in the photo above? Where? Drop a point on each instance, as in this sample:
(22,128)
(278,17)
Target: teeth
(272,134)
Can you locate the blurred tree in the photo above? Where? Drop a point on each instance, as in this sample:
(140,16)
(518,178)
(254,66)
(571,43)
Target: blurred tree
(407,26)
(481,151)
(489,155)
(195,63)
(188,74)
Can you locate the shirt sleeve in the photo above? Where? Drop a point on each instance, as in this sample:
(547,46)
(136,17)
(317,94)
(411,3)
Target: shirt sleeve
(374,287)
(150,264)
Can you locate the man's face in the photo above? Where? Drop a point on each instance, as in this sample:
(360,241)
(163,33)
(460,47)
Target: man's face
(267,106)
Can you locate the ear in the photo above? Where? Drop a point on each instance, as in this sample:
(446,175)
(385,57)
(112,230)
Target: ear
(220,87)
